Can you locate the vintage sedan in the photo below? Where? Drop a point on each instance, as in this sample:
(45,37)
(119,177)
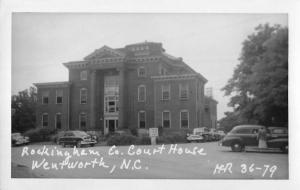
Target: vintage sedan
(18,139)
(194,138)
(76,138)
(246,135)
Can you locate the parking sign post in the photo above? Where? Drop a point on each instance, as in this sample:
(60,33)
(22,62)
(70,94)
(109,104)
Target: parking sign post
(153,133)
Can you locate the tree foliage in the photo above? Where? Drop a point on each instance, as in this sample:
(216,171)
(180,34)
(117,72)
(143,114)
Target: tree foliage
(259,85)
(23,110)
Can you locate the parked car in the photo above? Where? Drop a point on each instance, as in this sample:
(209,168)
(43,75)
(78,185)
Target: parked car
(246,135)
(76,138)
(221,134)
(194,138)
(18,139)
(204,132)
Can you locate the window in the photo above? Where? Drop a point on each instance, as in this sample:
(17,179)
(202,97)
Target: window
(142,119)
(45,98)
(45,120)
(165,89)
(58,121)
(82,121)
(244,131)
(183,91)
(83,96)
(59,96)
(141,72)
(162,70)
(142,93)
(184,119)
(83,75)
(166,119)
(111,104)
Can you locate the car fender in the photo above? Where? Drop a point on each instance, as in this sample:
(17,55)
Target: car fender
(229,140)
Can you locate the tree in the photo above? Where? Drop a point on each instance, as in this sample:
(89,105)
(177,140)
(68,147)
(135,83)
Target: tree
(23,110)
(259,85)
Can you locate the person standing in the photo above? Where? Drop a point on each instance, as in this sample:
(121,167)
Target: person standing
(262,137)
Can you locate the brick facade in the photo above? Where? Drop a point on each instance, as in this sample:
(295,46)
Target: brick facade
(110,80)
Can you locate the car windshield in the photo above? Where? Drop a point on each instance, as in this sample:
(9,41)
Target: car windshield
(16,134)
(80,133)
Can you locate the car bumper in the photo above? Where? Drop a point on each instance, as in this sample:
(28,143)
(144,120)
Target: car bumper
(88,142)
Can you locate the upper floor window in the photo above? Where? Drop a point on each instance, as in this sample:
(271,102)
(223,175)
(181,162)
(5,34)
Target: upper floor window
(184,119)
(82,120)
(111,104)
(142,119)
(45,98)
(45,120)
(165,92)
(166,119)
(141,72)
(162,70)
(58,121)
(183,91)
(142,93)
(83,96)
(83,75)
(59,96)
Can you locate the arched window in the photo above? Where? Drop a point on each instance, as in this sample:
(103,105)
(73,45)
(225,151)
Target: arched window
(142,119)
(83,96)
(59,96)
(82,120)
(142,93)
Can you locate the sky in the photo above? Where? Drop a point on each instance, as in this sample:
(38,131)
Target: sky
(210,43)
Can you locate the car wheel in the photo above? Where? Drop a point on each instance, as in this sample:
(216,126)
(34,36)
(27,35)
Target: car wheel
(92,145)
(78,144)
(284,149)
(236,147)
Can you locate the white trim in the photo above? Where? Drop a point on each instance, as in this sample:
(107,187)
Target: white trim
(139,99)
(188,114)
(56,118)
(168,89)
(62,97)
(142,111)
(162,119)
(43,119)
(80,91)
(83,75)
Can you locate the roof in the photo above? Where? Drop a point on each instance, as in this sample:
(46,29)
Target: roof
(52,84)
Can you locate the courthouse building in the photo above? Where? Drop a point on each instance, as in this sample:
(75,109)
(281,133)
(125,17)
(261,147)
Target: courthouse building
(138,86)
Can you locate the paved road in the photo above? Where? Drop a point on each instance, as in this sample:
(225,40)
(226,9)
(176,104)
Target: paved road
(164,163)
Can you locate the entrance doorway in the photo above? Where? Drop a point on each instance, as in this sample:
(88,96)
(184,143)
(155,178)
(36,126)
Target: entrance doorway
(111,125)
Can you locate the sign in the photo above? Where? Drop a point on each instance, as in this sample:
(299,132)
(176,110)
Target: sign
(153,132)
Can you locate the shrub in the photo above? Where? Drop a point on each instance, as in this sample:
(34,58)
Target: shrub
(134,132)
(144,140)
(171,139)
(39,134)
(160,130)
(122,140)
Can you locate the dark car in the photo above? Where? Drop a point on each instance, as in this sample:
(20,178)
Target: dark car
(246,135)
(76,138)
